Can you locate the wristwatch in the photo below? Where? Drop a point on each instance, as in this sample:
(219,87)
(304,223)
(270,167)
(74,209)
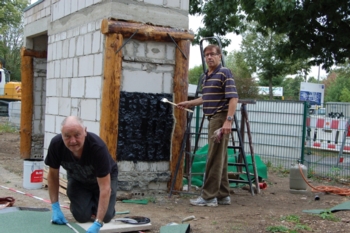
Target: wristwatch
(99,221)
(229,118)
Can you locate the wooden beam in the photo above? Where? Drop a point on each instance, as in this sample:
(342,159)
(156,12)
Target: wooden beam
(26,105)
(111,92)
(180,94)
(144,31)
(33,53)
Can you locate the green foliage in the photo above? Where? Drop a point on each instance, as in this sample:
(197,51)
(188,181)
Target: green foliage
(323,36)
(328,215)
(277,229)
(11,29)
(291,218)
(291,88)
(337,90)
(7,128)
(194,74)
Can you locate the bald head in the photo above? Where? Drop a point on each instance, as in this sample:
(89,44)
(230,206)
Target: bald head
(72,121)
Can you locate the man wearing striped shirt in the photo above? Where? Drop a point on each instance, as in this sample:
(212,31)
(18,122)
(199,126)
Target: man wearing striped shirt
(219,99)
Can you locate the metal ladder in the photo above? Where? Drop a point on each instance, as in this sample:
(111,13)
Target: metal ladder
(241,161)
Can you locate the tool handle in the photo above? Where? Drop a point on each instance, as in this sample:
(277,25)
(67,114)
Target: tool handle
(186,109)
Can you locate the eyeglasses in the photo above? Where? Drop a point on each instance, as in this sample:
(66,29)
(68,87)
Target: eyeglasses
(211,54)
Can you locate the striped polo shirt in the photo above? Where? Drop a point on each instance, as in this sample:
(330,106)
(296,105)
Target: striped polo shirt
(217,89)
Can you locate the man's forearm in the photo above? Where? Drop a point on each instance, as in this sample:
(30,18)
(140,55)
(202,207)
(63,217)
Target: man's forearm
(53,184)
(232,105)
(103,204)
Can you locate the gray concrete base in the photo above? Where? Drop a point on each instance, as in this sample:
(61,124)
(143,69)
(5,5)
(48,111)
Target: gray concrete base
(295,191)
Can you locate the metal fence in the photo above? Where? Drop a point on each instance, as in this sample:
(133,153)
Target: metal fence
(281,133)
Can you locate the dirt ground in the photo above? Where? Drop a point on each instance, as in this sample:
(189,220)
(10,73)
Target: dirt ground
(269,211)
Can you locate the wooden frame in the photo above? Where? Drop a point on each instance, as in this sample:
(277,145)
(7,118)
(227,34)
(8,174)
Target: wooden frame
(115,31)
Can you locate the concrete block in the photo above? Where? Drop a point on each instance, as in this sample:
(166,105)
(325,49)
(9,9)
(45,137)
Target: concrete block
(165,68)
(157,186)
(75,103)
(96,42)
(88,109)
(81,4)
(89,3)
(47,11)
(154,2)
(138,81)
(87,43)
(67,7)
(159,166)
(59,50)
(168,83)
(65,48)
(69,67)
(142,166)
(98,64)
(65,87)
(51,87)
(140,49)
(37,126)
(132,65)
(80,46)
(170,51)
(49,124)
(50,70)
(172,3)
(55,11)
(57,68)
(63,68)
(98,110)
(75,111)
(64,106)
(54,51)
(37,97)
(126,166)
(91,27)
(52,105)
(38,84)
(155,50)
(60,10)
(74,6)
(64,35)
(86,65)
(93,87)
(49,52)
(58,120)
(77,87)
(128,49)
(47,139)
(83,29)
(72,47)
(92,126)
(185,5)
(75,67)
(38,113)
(97,1)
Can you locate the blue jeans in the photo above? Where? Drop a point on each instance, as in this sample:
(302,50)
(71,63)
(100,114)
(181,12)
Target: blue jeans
(84,200)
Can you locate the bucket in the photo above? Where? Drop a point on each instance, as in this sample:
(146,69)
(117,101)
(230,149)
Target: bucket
(33,173)
(296,181)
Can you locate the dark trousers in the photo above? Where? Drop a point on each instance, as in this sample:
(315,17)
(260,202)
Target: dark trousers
(84,200)
(216,182)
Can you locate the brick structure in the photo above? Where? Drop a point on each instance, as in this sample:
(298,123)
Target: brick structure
(69,53)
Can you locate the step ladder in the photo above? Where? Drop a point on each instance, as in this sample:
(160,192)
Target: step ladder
(241,161)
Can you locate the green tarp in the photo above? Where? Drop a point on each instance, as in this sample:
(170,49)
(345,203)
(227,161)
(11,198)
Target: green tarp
(199,162)
(342,206)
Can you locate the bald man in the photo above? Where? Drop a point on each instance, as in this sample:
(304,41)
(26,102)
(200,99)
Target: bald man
(91,173)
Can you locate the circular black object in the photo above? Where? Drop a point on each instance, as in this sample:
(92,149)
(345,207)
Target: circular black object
(140,220)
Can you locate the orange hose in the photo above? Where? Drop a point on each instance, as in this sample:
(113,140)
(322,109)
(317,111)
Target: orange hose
(326,189)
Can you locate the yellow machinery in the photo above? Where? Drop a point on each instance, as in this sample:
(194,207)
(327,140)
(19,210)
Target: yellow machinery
(9,91)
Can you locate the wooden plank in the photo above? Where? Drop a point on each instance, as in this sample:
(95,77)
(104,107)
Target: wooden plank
(144,32)
(111,93)
(26,106)
(180,94)
(33,53)
(117,226)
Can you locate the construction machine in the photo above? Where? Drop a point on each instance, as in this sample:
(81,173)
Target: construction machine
(9,91)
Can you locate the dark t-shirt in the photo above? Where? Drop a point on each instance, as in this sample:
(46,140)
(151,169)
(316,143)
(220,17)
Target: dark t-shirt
(94,162)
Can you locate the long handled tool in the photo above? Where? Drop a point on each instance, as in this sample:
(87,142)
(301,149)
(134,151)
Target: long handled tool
(165,100)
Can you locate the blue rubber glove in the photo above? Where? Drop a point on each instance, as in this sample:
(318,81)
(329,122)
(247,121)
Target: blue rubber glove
(95,228)
(57,215)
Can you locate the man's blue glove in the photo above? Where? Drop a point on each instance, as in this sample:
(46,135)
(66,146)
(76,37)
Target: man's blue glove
(95,228)
(57,215)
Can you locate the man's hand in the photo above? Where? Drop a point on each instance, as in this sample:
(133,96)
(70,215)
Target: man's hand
(57,215)
(95,228)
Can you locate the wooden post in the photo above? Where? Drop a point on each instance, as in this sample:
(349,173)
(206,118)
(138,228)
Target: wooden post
(111,92)
(180,94)
(26,105)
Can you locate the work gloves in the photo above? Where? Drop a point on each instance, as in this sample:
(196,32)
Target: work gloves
(57,215)
(95,228)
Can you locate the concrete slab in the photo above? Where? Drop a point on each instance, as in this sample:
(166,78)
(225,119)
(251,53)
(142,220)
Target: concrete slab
(117,226)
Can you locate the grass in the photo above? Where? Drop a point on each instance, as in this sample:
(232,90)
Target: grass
(328,215)
(289,218)
(7,128)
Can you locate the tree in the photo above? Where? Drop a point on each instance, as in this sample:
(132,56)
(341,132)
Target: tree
(11,37)
(337,84)
(246,86)
(316,30)
(291,88)
(194,74)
